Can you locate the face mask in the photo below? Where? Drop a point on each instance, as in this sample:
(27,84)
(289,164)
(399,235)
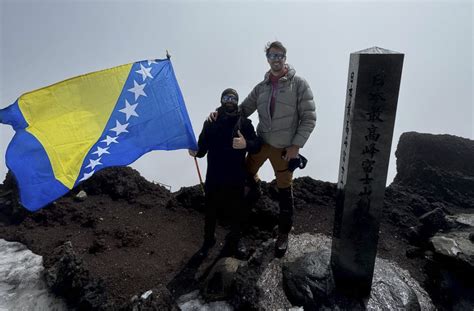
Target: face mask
(230,108)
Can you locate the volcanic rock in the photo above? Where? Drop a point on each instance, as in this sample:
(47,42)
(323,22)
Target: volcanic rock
(68,278)
(464,220)
(457,246)
(81,196)
(190,197)
(11,210)
(220,281)
(126,183)
(438,166)
(247,290)
(308,280)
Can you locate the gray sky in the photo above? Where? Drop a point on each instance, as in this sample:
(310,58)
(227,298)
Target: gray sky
(219,44)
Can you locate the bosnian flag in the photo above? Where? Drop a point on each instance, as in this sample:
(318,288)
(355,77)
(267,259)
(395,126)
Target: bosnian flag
(68,131)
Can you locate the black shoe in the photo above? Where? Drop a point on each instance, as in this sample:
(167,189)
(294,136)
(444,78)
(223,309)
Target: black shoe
(206,246)
(281,245)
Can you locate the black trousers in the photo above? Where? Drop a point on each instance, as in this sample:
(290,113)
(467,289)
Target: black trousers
(229,201)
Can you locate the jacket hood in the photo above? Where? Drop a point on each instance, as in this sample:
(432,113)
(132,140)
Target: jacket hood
(289,75)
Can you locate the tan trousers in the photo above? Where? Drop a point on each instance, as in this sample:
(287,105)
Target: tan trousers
(283,176)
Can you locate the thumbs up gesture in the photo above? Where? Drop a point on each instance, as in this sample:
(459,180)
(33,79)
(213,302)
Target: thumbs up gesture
(239,142)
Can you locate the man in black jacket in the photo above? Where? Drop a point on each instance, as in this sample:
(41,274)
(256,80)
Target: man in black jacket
(226,142)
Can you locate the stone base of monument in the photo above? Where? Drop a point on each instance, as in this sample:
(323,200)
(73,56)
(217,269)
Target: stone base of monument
(303,278)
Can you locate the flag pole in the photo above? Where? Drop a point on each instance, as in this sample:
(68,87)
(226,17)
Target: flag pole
(199,174)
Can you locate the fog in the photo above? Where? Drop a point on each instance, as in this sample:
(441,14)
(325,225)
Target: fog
(220,44)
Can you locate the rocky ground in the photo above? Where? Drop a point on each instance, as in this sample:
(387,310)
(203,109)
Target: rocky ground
(128,235)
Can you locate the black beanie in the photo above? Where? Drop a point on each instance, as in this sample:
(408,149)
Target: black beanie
(230,91)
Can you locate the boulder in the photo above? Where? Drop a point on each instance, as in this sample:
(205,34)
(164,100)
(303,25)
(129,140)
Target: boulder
(270,281)
(190,197)
(219,283)
(124,182)
(308,280)
(464,220)
(455,245)
(67,277)
(11,211)
(437,166)
(450,270)
(394,289)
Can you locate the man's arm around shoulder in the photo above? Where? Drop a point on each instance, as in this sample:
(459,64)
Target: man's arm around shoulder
(249,105)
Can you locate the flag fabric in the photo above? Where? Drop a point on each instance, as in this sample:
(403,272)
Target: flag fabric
(66,132)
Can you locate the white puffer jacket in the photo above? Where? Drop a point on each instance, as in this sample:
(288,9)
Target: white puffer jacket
(294,117)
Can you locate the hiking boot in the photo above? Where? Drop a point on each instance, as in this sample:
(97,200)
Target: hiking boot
(281,245)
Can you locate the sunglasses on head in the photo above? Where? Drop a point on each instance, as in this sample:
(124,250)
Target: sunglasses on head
(275,56)
(229,99)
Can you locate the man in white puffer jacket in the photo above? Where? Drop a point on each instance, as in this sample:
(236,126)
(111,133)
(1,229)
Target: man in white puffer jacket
(287,116)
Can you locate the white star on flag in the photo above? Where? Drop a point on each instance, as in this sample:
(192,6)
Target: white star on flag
(101,151)
(109,140)
(152,61)
(145,72)
(93,163)
(119,128)
(137,89)
(129,110)
(87,176)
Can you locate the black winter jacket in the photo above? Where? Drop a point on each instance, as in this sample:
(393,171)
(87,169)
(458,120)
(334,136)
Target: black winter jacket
(226,165)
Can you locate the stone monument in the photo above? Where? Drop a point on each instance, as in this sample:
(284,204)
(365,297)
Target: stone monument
(370,109)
